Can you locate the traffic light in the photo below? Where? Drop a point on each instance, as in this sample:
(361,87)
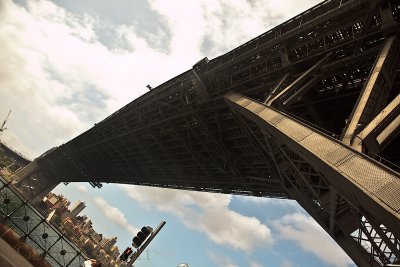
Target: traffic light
(124,256)
(141,236)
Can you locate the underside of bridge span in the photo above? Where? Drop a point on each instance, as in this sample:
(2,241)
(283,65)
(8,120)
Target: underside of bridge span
(309,110)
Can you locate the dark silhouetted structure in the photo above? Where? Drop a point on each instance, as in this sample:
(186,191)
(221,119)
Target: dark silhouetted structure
(308,110)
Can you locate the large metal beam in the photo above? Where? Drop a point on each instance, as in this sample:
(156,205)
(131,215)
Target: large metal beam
(339,221)
(280,98)
(277,88)
(363,182)
(33,181)
(381,129)
(375,91)
(330,157)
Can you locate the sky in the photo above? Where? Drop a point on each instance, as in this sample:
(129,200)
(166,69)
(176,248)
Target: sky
(66,65)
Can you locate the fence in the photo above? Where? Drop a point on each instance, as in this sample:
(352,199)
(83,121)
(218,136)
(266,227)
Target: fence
(31,226)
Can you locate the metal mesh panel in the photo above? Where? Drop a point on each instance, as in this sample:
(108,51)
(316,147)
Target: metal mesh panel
(366,174)
(35,246)
(42,237)
(272,118)
(255,107)
(52,261)
(390,194)
(326,149)
(9,202)
(293,129)
(244,102)
(78,261)
(24,219)
(319,145)
(337,155)
(64,251)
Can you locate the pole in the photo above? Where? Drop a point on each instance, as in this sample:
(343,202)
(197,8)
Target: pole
(145,244)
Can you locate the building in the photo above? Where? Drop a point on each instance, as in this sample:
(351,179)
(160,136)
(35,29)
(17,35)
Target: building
(96,237)
(108,243)
(77,208)
(87,225)
(53,201)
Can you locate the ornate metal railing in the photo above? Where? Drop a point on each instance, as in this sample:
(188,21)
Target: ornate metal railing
(31,226)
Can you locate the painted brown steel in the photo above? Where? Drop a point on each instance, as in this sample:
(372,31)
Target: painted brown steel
(182,134)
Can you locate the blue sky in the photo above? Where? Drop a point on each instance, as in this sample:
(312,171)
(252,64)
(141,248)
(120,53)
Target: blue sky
(68,64)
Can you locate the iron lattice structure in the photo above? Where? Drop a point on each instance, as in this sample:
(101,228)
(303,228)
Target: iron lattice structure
(48,242)
(308,110)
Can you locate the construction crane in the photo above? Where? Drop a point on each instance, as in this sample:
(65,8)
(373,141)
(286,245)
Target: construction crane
(2,128)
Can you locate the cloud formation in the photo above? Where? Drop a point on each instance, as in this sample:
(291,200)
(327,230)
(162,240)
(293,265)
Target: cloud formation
(221,260)
(286,263)
(208,213)
(59,77)
(303,230)
(255,264)
(81,188)
(115,215)
(289,203)
(59,80)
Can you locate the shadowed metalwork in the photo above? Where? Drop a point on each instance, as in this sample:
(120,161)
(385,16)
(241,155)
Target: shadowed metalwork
(309,110)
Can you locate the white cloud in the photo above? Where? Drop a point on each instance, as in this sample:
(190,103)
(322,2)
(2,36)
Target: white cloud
(255,264)
(312,238)
(81,188)
(223,24)
(221,260)
(271,201)
(33,51)
(115,215)
(59,79)
(208,213)
(286,263)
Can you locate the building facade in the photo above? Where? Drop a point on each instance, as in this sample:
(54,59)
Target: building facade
(77,207)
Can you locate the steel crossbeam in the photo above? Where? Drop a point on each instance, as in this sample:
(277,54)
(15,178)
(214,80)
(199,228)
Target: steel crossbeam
(320,97)
(330,159)
(376,90)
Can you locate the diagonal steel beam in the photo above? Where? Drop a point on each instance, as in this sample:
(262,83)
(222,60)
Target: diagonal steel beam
(340,165)
(302,191)
(301,91)
(375,91)
(381,129)
(291,88)
(220,146)
(361,180)
(276,89)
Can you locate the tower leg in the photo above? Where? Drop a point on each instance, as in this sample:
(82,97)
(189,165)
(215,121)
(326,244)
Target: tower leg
(354,198)
(34,182)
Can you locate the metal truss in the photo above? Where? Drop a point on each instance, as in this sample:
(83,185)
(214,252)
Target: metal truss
(33,182)
(330,76)
(359,228)
(380,243)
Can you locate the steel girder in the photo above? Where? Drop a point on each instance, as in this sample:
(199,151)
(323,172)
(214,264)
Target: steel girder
(345,191)
(317,68)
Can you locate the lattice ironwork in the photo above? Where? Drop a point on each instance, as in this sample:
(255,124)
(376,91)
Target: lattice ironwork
(335,206)
(378,241)
(331,78)
(47,241)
